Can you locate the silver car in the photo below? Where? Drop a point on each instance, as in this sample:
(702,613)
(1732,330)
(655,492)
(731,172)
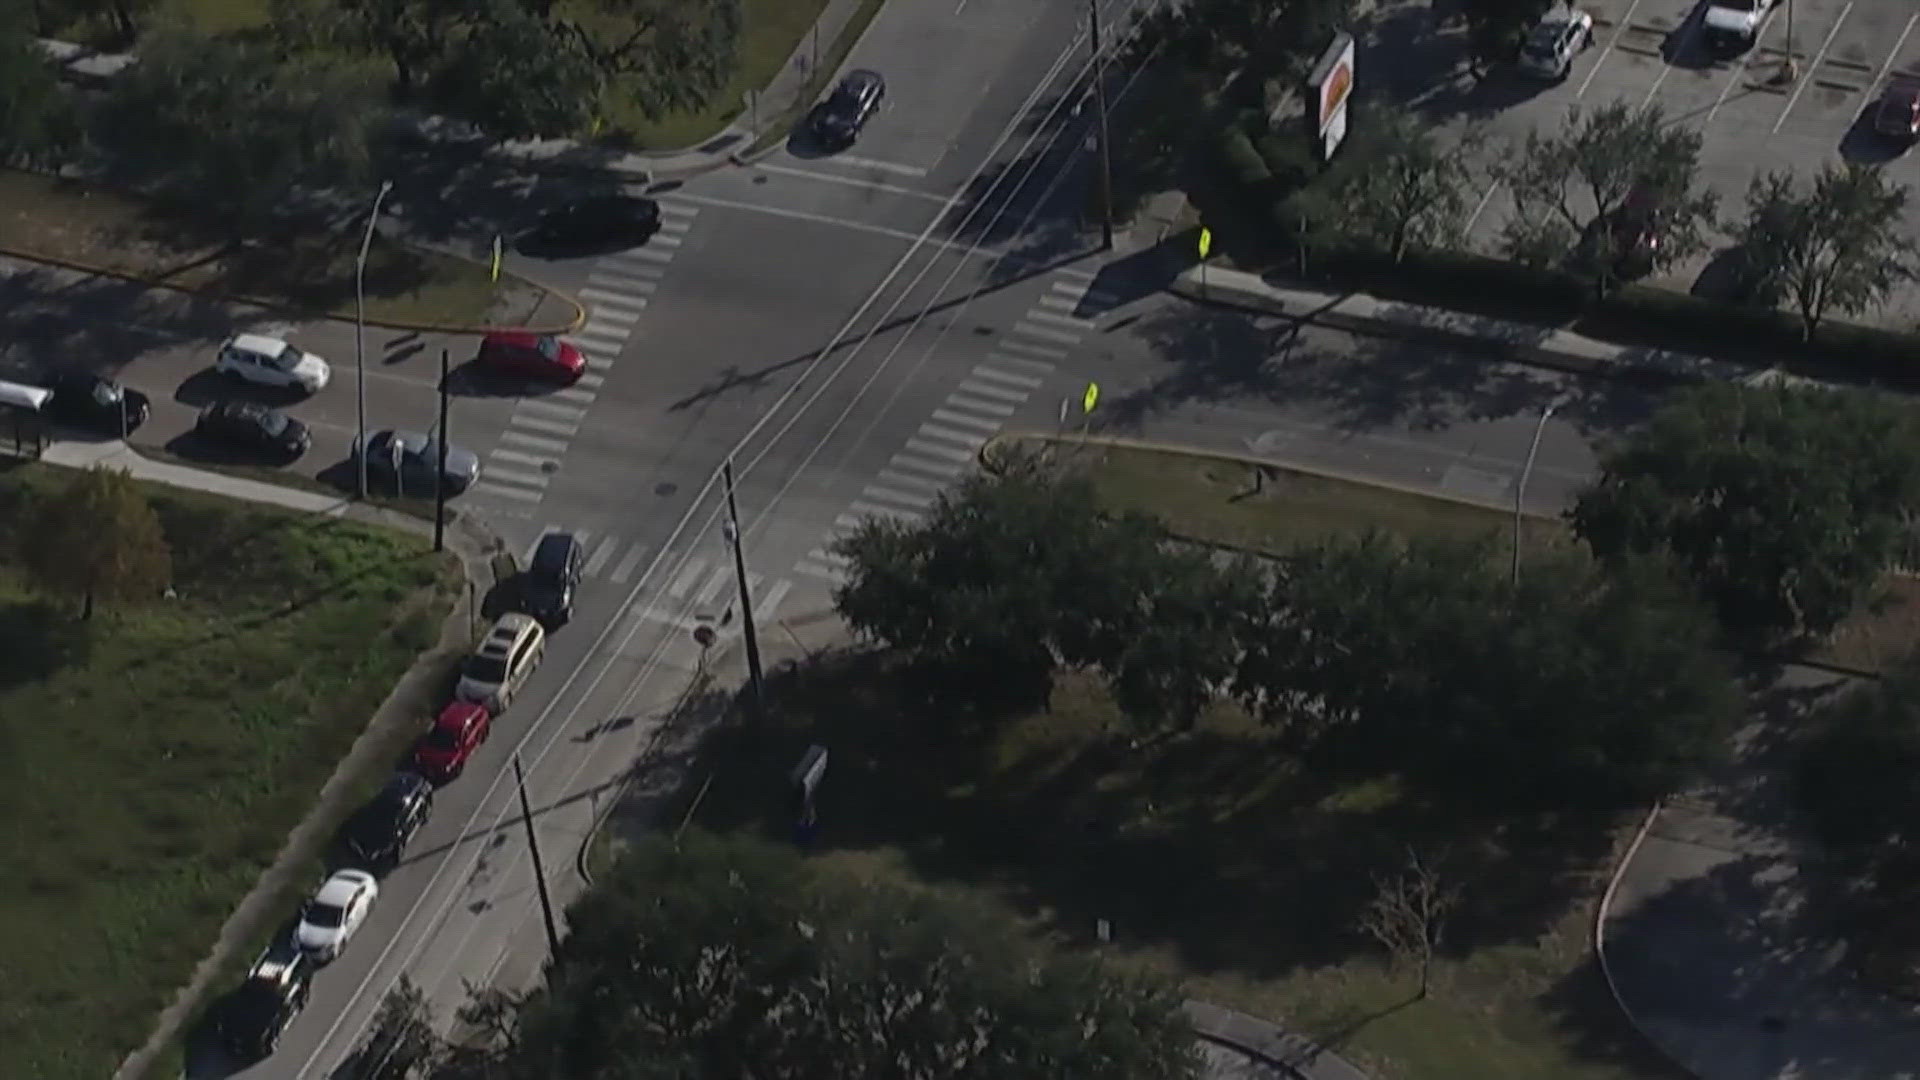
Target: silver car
(1553,41)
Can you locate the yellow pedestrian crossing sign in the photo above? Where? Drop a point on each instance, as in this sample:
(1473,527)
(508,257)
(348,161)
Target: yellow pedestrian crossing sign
(1206,242)
(1093,395)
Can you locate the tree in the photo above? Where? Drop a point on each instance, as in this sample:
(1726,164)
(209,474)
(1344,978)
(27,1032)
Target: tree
(415,35)
(1783,505)
(1183,649)
(520,76)
(1408,914)
(1258,40)
(401,1042)
(712,957)
(1496,28)
(1860,772)
(670,54)
(98,538)
(1836,246)
(123,16)
(37,119)
(1572,187)
(1409,191)
(286,125)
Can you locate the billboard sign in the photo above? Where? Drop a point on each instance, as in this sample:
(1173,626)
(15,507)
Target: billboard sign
(1329,86)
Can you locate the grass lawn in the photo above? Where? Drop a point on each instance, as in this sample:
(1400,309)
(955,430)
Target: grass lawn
(62,220)
(157,758)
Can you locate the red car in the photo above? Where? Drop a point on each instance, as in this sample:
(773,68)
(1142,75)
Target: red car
(460,729)
(1899,113)
(529,356)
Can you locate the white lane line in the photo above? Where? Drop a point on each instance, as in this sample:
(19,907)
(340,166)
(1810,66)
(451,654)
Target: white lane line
(690,573)
(589,380)
(639,255)
(986,424)
(992,408)
(1880,76)
(1076,272)
(722,577)
(1800,87)
(623,281)
(599,340)
(561,412)
(574,393)
(1038,367)
(1070,291)
(965,250)
(949,452)
(600,555)
(868,185)
(601,362)
(1059,319)
(1045,333)
(606,298)
(517,457)
(1061,303)
(965,438)
(667,239)
(510,492)
(869,163)
(824,573)
(515,476)
(904,498)
(830,558)
(1689,33)
(985,372)
(764,607)
(537,424)
(1034,348)
(975,386)
(557,446)
(679,210)
(625,570)
(933,487)
(650,273)
(873,509)
(945,470)
(1607,48)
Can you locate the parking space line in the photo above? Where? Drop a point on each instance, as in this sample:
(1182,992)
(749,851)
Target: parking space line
(1688,33)
(1740,67)
(1880,77)
(1620,32)
(1800,87)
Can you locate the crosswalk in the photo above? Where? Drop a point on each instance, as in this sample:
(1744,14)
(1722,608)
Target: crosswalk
(949,442)
(540,429)
(700,591)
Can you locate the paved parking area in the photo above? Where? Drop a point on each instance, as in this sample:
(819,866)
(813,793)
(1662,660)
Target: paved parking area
(1652,52)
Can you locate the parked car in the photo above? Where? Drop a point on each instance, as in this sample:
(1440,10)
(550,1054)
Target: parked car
(380,830)
(598,218)
(502,663)
(407,461)
(329,920)
(273,994)
(1898,114)
(1731,26)
(519,354)
(1553,42)
(457,732)
(838,120)
(254,426)
(96,404)
(554,572)
(269,361)
(1625,242)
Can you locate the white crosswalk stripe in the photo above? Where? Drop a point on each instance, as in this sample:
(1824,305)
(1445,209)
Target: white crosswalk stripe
(991,408)
(548,408)
(932,449)
(624,280)
(575,393)
(1031,348)
(642,255)
(514,457)
(537,442)
(975,386)
(905,498)
(521,494)
(926,484)
(982,423)
(1062,320)
(630,313)
(1021,363)
(626,567)
(590,379)
(535,423)
(688,575)
(965,438)
(1045,333)
(599,557)
(722,577)
(515,476)
(1028,381)
(680,210)
(610,298)
(669,239)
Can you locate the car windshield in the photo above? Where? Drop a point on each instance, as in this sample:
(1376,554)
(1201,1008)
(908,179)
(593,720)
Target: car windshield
(1738,5)
(273,423)
(443,738)
(257,1002)
(548,345)
(288,359)
(106,393)
(320,914)
(486,669)
(844,100)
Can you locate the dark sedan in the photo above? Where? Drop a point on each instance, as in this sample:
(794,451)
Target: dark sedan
(1898,114)
(598,219)
(97,404)
(406,462)
(837,121)
(252,426)
(379,831)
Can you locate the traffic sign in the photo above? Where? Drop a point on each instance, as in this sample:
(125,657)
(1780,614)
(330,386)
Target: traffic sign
(1206,242)
(703,634)
(1092,395)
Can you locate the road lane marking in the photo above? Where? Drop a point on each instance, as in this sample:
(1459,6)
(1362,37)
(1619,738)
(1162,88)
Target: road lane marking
(915,499)
(1689,32)
(1880,77)
(1045,333)
(557,446)
(514,476)
(869,163)
(510,492)
(995,408)
(849,181)
(1608,48)
(946,470)
(1037,349)
(625,570)
(881,510)
(691,572)
(600,556)
(1038,367)
(671,240)
(589,379)
(965,438)
(985,372)
(537,424)
(974,386)
(561,412)
(983,423)
(1083,326)
(721,577)
(933,487)
(950,453)
(517,457)
(1800,85)
(574,393)
(652,255)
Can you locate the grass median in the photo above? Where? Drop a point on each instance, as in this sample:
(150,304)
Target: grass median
(159,756)
(310,275)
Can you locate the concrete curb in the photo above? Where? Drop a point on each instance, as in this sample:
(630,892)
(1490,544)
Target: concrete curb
(1252,460)
(1268,1043)
(1600,938)
(579,315)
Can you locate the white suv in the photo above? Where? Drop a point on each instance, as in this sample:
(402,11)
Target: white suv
(272,362)
(1731,25)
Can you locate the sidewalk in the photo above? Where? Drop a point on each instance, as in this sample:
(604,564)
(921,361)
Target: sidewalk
(791,85)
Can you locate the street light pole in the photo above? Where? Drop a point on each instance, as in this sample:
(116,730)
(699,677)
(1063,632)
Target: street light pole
(746,598)
(1100,109)
(440,470)
(1520,489)
(360,331)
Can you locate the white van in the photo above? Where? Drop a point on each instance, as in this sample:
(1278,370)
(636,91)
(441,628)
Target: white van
(502,663)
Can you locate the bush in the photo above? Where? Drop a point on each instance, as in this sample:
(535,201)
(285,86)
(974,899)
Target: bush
(1243,163)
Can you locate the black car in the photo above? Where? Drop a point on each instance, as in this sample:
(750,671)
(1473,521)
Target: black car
(599,218)
(546,592)
(380,830)
(837,121)
(97,404)
(274,993)
(254,426)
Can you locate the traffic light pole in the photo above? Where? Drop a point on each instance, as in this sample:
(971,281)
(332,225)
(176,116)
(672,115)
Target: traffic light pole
(1100,108)
(539,870)
(756,693)
(440,471)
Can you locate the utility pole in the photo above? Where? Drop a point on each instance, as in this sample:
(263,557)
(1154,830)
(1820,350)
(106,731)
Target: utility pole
(1100,108)
(759,704)
(360,331)
(440,470)
(539,871)
(1520,489)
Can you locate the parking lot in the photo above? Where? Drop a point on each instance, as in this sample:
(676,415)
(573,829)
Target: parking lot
(1752,120)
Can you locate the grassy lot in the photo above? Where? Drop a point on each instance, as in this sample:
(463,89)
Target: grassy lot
(158,758)
(43,215)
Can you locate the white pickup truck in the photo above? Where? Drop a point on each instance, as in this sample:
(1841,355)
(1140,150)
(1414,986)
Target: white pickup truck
(1732,25)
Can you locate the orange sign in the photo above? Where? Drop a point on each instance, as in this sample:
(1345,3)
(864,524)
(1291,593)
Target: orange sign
(1333,92)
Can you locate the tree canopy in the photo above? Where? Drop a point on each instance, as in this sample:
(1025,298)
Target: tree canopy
(1408,191)
(726,958)
(1783,504)
(1835,245)
(97,538)
(38,120)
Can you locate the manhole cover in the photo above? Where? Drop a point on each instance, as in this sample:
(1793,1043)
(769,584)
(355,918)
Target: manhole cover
(665,488)
(549,466)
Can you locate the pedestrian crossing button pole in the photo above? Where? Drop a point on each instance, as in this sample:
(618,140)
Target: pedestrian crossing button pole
(756,702)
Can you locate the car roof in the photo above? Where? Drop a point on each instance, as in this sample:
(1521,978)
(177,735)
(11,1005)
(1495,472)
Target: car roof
(505,632)
(404,785)
(339,888)
(277,960)
(552,550)
(522,338)
(259,343)
(458,714)
(1902,93)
